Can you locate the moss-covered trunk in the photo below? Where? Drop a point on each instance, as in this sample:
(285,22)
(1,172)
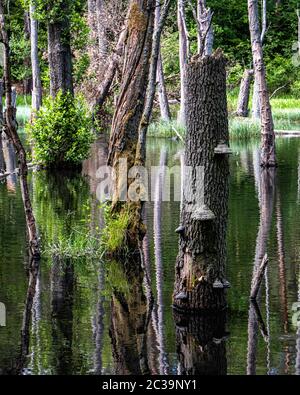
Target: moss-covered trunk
(130,106)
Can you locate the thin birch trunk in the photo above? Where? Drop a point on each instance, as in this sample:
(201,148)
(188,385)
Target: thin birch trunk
(268,154)
(36,72)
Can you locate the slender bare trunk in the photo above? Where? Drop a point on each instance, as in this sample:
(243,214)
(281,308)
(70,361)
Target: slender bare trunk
(268,155)
(36,72)
(256,98)
(243,101)
(165,112)
(10,129)
(205,29)
(151,89)
(183,56)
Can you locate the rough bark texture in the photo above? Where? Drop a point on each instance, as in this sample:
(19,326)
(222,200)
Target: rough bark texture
(131,101)
(183,56)
(202,252)
(243,101)
(205,29)
(10,128)
(268,155)
(200,343)
(36,72)
(2,166)
(60,56)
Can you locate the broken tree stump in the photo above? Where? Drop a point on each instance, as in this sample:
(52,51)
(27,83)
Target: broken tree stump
(201,263)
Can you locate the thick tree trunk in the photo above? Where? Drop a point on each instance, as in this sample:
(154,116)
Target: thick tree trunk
(60,56)
(268,155)
(36,72)
(200,268)
(183,57)
(10,129)
(243,101)
(165,112)
(200,344)
(62,301)
(131,101)
(2,166)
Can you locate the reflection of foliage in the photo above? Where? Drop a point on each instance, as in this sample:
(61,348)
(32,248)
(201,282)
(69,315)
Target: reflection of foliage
(116,280)
(77,245)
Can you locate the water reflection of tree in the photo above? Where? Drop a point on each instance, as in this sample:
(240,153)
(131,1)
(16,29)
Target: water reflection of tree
(62,293)
(265,180)
(34,268)
(158,311)
(201,348)
(130,317)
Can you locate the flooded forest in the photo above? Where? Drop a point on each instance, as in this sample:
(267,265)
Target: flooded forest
(149,188)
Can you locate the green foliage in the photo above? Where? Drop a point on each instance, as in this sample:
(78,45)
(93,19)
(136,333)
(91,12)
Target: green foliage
(114,234)
(62,133)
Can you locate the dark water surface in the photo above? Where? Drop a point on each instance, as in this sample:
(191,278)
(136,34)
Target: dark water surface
(70,330)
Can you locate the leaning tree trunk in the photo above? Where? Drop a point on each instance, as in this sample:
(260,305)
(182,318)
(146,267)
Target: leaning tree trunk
(243,101)
(200,269)
(60,56)
(183,57)
(130,105)
(10,128)
(268,155)
(36,72)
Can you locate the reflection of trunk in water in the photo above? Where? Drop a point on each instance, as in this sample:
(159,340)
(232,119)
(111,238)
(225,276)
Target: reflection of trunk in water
(27,316)
(99,323)
(200,343)
(130,319)
(282,274)
(36,355)
(298,335)
(62,290)
(163,360)
(266,191)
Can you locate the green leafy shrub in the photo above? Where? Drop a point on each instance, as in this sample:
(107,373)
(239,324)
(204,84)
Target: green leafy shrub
(62,132)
